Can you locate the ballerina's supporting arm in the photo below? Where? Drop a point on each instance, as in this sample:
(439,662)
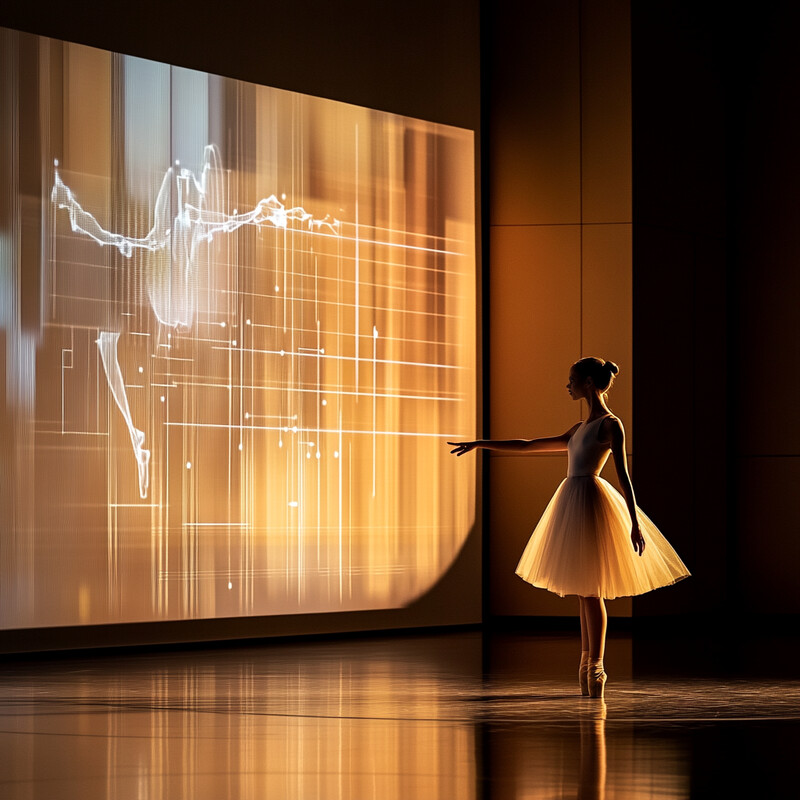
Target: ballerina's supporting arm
(617,435)
(550,444)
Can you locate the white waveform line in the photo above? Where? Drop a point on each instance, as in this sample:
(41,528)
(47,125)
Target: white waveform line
(299,354)
(301,431)
(202,222)
(199,216)
(381,243)
(395,339)
(331,391)
(343,304)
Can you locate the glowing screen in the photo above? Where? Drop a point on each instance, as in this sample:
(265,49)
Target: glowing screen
(237,325)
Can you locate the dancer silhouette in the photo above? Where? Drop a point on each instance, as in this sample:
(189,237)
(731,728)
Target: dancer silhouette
(591,541)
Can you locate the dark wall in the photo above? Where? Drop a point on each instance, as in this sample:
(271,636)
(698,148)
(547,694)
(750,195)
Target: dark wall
(681,292)
(764,368)
(716,290)
(414,58)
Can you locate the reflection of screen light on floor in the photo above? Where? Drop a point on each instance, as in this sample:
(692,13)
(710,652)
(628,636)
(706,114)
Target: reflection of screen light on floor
(342,313)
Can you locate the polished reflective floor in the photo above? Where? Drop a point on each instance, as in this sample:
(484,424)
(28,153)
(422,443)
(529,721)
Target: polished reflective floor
(456,715)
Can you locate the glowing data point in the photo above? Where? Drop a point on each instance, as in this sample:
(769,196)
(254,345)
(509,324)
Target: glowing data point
(240,445)
(293,503)
(247,415)
(55,162)
(319,455)
(223,324)
(336,454)
(283,352)
(294,428)
(308,455)
(141,370)
(277,288)
(230,585)
(233,343)
(163,398)
(324,402)
(247,322)
(188,465)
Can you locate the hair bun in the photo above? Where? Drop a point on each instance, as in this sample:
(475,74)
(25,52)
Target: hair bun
(611,367)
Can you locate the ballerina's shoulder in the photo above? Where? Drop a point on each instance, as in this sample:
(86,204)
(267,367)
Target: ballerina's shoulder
(611,430)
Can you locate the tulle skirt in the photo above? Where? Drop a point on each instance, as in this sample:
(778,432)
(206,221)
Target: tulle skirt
(582,545)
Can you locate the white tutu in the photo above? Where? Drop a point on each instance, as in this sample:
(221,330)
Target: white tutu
(582,544)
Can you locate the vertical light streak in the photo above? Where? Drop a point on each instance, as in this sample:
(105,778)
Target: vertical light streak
(340,508)
(357,275)
(64,366)
(374,403)
(350,518)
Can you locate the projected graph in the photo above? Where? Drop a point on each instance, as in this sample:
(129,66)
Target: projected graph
(249,331)
(198,217)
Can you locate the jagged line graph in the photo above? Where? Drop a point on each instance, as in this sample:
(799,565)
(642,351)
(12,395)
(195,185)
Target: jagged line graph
(197,218)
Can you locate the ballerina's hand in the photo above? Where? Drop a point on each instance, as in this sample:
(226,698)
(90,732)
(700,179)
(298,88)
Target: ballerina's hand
(638,540)
(459,448)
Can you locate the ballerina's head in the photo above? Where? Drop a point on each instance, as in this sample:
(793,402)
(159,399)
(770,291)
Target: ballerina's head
(591,376)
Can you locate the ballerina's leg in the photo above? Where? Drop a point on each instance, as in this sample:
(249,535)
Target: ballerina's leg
(583,669)
(597,621)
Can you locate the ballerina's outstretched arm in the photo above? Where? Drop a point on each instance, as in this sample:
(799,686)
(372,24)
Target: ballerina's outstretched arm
(550,444)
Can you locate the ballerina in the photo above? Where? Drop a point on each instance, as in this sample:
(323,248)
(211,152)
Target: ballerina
(591,541)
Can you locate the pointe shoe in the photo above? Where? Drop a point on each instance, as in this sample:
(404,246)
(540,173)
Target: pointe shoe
(583,675)
(596,678)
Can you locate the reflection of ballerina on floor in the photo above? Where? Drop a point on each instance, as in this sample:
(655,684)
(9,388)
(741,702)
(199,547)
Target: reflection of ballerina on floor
(592,785)
(171,276)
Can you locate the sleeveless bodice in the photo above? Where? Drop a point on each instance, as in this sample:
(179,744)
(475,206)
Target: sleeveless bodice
(587,456)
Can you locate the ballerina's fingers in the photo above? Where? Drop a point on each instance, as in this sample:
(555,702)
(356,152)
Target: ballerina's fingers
(461,447)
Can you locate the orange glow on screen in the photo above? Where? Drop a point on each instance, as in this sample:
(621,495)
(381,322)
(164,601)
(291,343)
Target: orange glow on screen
(237,324)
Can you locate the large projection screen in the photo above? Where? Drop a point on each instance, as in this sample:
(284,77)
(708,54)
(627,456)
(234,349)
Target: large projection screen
(237,326)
